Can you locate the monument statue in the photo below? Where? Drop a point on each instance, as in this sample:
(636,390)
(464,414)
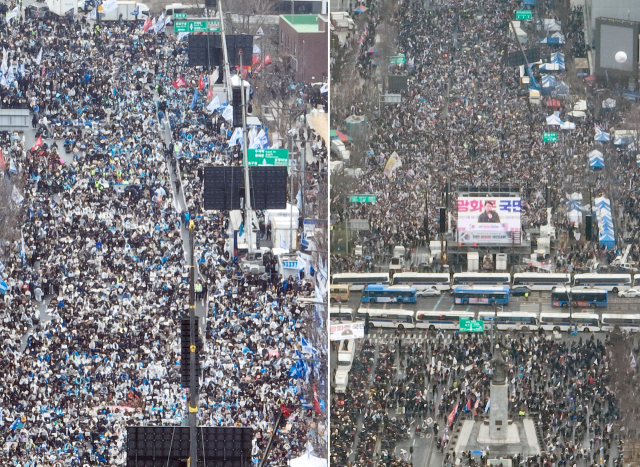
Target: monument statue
(499,367)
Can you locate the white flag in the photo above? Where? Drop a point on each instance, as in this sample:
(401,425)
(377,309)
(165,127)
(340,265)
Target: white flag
(13,13)
(235,137)
(263,139)
(109,5)
(93,14)
(16,196)
(182,35)
(252,138)
(5,61)
(39,57)
(214,105)
(22,251)
(228,113)
(11,77)
(159,24)
(214,76)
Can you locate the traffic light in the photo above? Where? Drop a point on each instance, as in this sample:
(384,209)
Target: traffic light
(588,228)
(236,94)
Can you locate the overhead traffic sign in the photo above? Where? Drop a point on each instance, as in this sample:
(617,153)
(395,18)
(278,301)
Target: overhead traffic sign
(397,60)
(363,198)
(212,25)
(257,157)
(179,16)
(549,137)
(523,14)
(471,325)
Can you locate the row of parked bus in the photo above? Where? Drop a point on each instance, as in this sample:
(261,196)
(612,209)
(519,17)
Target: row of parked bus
(503,320)
(487,295)
(533,281)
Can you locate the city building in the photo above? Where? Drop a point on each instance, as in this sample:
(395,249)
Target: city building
(304,43)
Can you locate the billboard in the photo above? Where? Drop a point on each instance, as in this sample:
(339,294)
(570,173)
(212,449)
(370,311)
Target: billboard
(349,330)
(488,220)
(616,48)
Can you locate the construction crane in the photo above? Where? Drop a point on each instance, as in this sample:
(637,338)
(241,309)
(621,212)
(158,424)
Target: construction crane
(532,81)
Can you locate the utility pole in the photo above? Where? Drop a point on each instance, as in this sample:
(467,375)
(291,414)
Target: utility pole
(227,73)
(293,198)
(303,162)
(493,324)
(193,382)
(248,221)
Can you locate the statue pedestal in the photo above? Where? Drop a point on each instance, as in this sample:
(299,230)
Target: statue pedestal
(508,435)
(499,410)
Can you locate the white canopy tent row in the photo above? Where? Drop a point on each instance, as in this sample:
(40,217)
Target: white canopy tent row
(574,208)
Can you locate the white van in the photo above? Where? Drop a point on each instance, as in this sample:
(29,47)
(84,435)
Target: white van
(346,353)
(341,379)
(339,151)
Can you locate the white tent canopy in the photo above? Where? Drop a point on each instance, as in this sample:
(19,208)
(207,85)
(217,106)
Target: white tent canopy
(554,120)
(580,105)
(552,25)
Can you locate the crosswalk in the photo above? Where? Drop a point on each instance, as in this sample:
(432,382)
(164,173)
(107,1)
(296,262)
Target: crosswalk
(418,337)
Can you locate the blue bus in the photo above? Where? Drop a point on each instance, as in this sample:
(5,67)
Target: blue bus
(481,295)
(580,298)
(389,294)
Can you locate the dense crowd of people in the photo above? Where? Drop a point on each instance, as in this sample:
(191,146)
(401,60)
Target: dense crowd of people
(102,250)
(565,387)
(465,120)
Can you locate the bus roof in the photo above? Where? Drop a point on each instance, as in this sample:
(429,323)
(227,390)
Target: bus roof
(422,274)
(385,311)
(446,313)
(362,275)
(391,288)
(567,314)
(596,275)
(482,274)
(577,289)
(481,288)
(340,309)
(621,315)
(531,314)
(542,274)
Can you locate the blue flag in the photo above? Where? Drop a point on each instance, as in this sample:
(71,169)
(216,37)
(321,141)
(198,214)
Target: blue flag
(136,12)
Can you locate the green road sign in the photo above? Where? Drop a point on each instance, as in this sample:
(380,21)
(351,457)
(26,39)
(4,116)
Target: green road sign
(363,198)
(212,25)
(180,16)
(397,60)
(549,137)
(257,157)
(471,325)
(523,14)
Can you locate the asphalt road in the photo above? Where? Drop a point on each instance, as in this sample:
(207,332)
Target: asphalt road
(536,302)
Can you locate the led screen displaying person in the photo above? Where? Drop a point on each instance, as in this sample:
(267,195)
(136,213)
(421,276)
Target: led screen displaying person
(489,215)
